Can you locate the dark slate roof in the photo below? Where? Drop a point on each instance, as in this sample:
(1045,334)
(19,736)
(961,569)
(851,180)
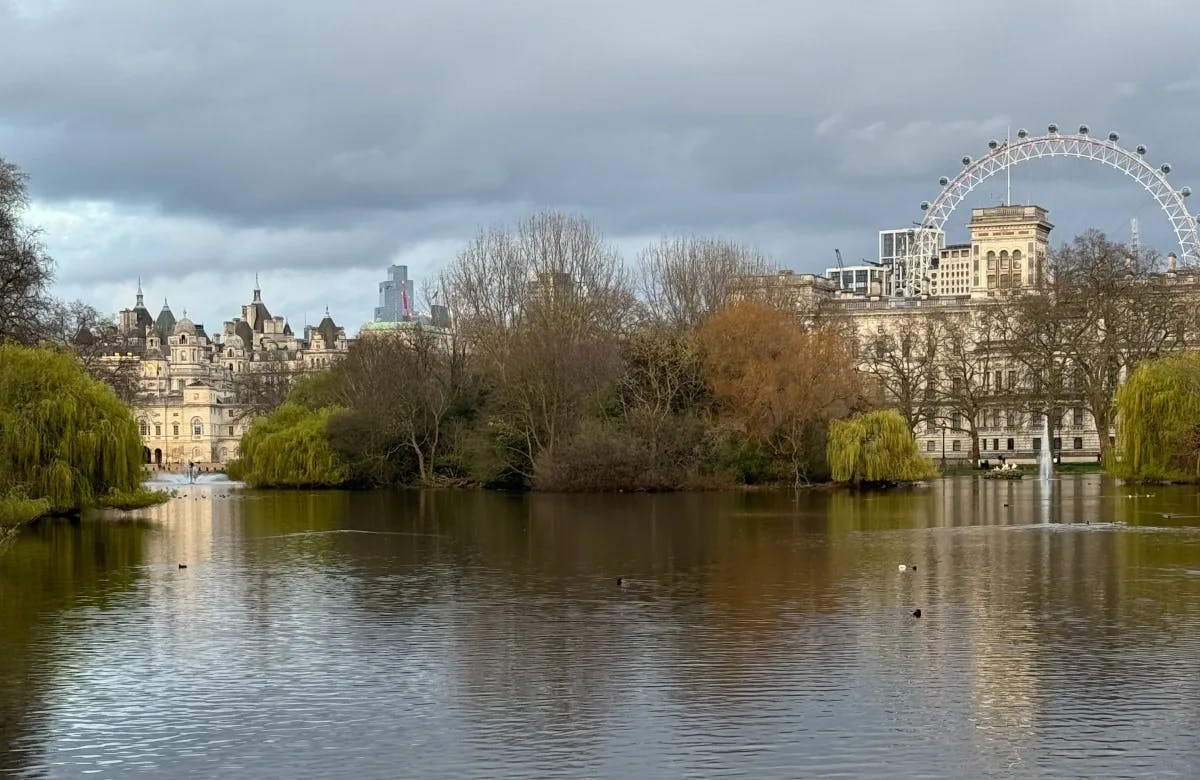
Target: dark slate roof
(143,316)
(165,324)
(287,329)
(328,331)
(84,338)
(243,329)
(200,330)
(261,315)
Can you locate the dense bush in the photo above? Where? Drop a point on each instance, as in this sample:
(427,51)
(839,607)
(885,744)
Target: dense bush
(1158,413)
(608,457)
(64,437)
(876,448)
(16,509)
(290,448)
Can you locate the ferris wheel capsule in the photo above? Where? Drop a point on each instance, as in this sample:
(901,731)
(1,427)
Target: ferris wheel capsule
(966,159)
(1053,128)
(1114,136)
(924,205)
(1186,191)
(1165,167)
(1141,149)
(1083,129)
(992,144)
(1022,133)
(943,181)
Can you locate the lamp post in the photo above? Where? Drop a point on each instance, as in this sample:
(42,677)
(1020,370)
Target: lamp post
(943,447)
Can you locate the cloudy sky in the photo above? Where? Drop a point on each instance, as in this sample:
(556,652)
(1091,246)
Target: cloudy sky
(196,142)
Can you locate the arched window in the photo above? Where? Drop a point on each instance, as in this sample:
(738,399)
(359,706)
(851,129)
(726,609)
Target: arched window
(197,427)
(1004,258)
(991,260)
(1016,258)
(143,428)
(182,339)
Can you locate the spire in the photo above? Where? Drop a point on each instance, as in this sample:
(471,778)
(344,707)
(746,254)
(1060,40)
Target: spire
(140,304)
(257,291)
(326,311)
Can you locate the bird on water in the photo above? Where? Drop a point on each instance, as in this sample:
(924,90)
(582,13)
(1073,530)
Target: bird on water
(916,613)
(622,582)
(183,565)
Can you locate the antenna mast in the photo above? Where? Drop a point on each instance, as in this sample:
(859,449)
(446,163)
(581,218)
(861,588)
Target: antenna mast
(1008,167)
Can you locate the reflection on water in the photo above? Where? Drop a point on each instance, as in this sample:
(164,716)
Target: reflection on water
(469,634)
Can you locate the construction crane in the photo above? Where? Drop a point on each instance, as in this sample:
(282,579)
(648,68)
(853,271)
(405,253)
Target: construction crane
(841,277)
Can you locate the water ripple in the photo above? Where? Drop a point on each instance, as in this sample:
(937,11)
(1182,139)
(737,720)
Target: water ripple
(398,640)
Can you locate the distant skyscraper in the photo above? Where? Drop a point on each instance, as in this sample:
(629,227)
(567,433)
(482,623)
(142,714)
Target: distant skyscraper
(395,296)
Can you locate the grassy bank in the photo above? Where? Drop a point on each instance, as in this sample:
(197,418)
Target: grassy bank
(136,499)
(17,510)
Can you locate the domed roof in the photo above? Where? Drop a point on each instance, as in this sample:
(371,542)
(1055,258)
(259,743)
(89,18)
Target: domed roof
(184,327)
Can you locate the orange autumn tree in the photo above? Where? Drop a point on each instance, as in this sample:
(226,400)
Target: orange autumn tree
(781,383)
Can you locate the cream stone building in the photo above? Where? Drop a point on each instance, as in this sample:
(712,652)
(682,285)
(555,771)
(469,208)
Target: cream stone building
(187,406)
(1007,252)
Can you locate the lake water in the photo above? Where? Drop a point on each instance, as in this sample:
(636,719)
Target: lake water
(480,635)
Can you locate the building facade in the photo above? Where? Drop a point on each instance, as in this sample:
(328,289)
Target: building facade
(894,246)
(187,405)
(1006,254)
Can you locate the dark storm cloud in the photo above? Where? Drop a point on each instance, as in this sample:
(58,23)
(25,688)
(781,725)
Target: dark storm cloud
(303,135)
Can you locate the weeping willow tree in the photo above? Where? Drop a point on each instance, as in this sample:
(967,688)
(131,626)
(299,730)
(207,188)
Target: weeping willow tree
(65,439)
(1158,413)
(876,448)
(289,448)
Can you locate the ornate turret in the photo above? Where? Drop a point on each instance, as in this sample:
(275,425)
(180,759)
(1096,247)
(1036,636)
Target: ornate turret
(255,313)
(136,322)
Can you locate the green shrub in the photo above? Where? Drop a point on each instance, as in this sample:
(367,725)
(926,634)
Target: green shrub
(16,509)
(289,448)
(64,437)
(744,461)
(315,391)
(1158,414)
(235,471)
(876,448)
(136,499)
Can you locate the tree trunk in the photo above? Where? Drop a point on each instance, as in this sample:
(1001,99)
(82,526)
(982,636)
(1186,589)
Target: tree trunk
(1103,421)
(974,446)
(416,447)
